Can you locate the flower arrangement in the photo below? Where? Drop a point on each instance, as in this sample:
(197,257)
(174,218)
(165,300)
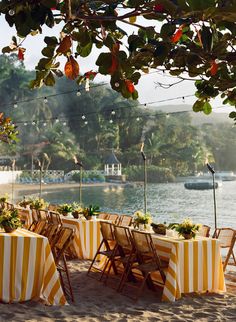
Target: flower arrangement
(24,203)
(187,229)
(77,210)
(38,203)
(140,218)
(4,198)
(9,219)
(91,211)
(65,209)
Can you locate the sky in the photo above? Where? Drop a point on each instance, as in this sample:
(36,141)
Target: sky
(147,87)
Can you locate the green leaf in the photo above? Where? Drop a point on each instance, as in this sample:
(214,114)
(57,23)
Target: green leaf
(48,52)
(232,115)
(207,109)
(51,41)
(198,106)
(49,80)
(86,50)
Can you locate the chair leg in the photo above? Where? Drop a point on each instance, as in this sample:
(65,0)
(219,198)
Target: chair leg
(68,279)
(97,253)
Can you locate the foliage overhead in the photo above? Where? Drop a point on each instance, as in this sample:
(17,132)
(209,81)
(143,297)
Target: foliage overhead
(188,38)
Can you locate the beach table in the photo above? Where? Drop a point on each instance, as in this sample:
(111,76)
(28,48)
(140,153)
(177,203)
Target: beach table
(87,236)
(194,265)
(27,269)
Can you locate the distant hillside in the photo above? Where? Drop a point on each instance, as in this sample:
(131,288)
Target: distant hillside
(197,118)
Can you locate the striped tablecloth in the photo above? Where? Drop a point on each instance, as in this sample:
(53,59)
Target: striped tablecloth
(87,236)
(27,269)
(194,265)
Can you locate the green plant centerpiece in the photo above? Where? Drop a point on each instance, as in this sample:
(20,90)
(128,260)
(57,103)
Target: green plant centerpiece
(142,220)
(92,211)
(187,229)
(65,209)
(77,210)
(37,203)
(9,220)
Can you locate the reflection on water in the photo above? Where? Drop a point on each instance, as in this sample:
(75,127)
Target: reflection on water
(168,202)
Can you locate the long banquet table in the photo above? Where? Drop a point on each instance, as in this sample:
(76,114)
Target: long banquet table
(27,269)
(87,236)
(194,265)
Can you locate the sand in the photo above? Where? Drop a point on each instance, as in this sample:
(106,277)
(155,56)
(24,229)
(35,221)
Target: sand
(96,302)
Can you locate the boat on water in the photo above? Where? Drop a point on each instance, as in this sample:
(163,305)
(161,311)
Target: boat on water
(226,176)
(202,185)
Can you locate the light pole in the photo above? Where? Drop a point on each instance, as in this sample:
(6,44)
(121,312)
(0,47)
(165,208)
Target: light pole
(40,178)
(13,179)
(145,178)
(79,163)
(211,169)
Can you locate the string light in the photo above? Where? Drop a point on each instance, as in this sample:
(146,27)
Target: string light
(83,117)
(56,120)
(117,84)
(78,93)
(25,123)
(15,105)
(11,12)
(45,100)
(138,119)
(167,115)
(33,123)
(64,123)
(113,112)
(44,124)
(86,122)
(183,99)
(111,121)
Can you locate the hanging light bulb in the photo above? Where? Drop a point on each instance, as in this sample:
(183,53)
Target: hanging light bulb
(117,84)
(145,105)
(111,121)
(33,123)
(25,123)
(44,124)
(15,105)
(83,117)
(183,99)
(45,100)
(167,115)
(64,123)
(56,120)
(113,112)
(137,119)
(78,93)
(87,86)
(11,12)
(86,122)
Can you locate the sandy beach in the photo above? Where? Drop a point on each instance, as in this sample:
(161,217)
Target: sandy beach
(95,302)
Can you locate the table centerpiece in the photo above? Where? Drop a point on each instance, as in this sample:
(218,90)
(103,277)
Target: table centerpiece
(187,229)
(9,220)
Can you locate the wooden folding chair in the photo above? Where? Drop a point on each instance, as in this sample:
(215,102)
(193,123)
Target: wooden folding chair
(59,246)
(227,237)
(106,248)
(124,255)
(114,218)
(125,220)
(50,232)
(204,231)
(102,216)
(35,214)
(25,216)
(54,218)
(148,261)
(38,227)
(43,214)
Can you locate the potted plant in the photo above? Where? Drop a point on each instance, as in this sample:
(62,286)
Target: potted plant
(91,212)
(142,220)
(9,220)
(4,199)
(187,229)
(77,210)
(24,203)
(38,203)
(65,209)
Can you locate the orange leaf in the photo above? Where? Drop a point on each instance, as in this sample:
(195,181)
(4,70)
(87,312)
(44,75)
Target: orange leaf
(21,53)
(214,68)
(71,68)
(176,37)
(65,45)
(90,75)
(130,86)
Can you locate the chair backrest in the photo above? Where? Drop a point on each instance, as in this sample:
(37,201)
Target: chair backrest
(51,231)
(39,227)
(142,242)
(54,218)
(102,216)
(227,237)
(24,215)
(35,214)
(43,214)
(107,230)
(52,207)
(61,242)
(204,231)
(125,220)
(114,218)
(123,237)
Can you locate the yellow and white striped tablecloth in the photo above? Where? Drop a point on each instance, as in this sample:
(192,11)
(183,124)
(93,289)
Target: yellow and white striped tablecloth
(27,269)
(87,236)
(194,265)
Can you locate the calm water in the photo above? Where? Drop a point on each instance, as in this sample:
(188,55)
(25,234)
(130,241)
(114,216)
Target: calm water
(168,202)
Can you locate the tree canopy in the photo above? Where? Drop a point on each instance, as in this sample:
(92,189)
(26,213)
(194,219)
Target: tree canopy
(188,38)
